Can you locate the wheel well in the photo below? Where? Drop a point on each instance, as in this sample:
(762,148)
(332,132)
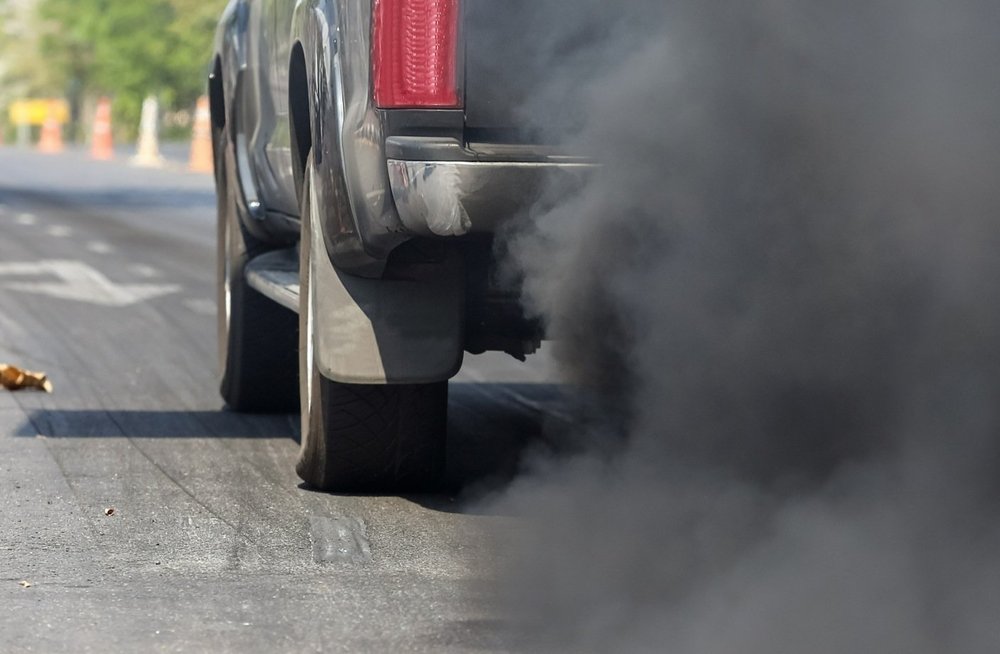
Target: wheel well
(298,112)
(216,95)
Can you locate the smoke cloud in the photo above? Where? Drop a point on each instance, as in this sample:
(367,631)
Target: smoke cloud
(782,294)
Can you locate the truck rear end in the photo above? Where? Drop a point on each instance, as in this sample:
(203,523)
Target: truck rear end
(454,79)
(468,148)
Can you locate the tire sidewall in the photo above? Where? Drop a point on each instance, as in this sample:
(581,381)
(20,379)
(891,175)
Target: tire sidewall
(313,441)
(224,251)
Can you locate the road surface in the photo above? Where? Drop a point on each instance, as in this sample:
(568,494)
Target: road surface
(106,284)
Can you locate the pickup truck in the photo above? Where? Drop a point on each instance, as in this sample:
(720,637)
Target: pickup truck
(366,153)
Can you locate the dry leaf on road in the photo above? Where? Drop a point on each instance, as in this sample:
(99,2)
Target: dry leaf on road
(15,379)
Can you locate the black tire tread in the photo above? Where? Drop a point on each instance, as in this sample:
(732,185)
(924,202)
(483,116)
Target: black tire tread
(261,374)
(379,437)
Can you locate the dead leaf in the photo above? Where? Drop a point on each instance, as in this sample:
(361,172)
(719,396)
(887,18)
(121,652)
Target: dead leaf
(25,584)
(109,511)
(15,379)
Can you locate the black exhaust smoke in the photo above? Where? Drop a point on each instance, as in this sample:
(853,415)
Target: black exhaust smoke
(784,288)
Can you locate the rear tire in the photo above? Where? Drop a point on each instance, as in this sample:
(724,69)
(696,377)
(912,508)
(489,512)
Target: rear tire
(257,337)
(362,437)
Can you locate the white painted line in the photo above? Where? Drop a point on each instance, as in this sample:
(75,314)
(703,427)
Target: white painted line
(59,231)
(26,219)
(100,247)
(201,305)
(142,270)
(80,282)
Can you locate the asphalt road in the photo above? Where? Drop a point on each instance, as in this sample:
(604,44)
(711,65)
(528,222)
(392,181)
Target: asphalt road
(106,284)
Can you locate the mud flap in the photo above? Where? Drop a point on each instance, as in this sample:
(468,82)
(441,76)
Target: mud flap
(377,331)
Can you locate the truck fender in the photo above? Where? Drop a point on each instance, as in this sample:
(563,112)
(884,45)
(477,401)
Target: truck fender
(361,224)
(230,49)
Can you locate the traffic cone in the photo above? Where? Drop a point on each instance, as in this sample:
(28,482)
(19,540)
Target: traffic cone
(102,145)
(202,160)
(148,154)
(51,141)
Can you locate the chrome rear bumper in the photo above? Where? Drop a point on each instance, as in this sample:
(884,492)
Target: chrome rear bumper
(444,189)
(452,198)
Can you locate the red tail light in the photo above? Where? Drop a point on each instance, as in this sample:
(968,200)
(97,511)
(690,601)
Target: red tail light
(415,54)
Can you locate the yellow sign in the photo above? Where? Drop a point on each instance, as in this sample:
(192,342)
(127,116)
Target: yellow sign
(36,112)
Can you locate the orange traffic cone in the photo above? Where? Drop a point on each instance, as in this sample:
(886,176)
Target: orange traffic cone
(102,145)
(202,160)
(52,138)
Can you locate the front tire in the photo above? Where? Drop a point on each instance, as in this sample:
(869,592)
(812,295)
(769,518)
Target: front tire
(361,437)
(257,337)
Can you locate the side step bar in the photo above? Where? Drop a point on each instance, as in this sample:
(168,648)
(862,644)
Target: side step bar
(276,276)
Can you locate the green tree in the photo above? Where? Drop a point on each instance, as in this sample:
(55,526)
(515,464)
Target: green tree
(22,70)
(194,30)
(129,50)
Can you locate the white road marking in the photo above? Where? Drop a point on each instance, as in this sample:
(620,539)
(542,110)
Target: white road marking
(142,270)
(80,282)
(201,305)
(59,231)
(26,219)
(100,247)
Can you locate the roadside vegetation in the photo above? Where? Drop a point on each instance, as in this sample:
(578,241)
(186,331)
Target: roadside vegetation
(81,50)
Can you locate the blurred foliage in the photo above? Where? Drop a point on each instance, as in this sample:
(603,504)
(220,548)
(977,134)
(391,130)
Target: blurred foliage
(83,49)
(23,73)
